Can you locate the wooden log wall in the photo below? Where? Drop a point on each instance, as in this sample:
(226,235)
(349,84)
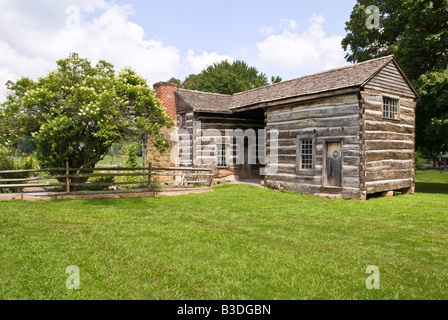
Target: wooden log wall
(216,128)
(335,118)
(202,129)
(186,142)
(389,144)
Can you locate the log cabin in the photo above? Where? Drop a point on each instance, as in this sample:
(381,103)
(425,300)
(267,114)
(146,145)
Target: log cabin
(347,132)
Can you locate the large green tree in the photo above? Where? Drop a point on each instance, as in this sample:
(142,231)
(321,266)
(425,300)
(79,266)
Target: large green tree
(227,78)
(78,111)
(416,31)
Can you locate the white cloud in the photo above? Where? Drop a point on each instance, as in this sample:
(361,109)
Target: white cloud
(197,63)
(289,24)
(284,24)
(30,45)
(14,65)
(317,19)
(266,30)
(297,53)
(34,34)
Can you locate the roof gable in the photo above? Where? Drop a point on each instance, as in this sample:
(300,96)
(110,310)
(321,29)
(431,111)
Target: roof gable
(392,79)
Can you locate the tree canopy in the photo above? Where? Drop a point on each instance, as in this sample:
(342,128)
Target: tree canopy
(416,32)
(226,78)
(78,111)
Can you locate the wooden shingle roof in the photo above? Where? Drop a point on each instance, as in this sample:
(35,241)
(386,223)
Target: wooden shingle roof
(356,75)
(205,101)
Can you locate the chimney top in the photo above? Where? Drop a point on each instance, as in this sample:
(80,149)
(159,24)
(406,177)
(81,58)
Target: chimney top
(165,92)
(162,83)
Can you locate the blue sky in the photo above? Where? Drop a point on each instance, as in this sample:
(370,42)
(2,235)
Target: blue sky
(161,39)
(225,26)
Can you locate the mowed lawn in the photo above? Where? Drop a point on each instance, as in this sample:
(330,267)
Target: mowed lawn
(239,242)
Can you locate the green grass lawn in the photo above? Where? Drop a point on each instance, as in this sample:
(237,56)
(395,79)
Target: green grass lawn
(239,242)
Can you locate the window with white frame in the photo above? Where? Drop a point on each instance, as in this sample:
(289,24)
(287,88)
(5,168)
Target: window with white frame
(391,108)
(221,154)
(306,154)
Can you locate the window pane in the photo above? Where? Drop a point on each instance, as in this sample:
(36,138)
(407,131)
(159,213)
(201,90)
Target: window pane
(307,154)
(390,108)
(221,155)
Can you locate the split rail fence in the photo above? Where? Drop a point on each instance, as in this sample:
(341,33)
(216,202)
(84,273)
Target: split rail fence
(53,181)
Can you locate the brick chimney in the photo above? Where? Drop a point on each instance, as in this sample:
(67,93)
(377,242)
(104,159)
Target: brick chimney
(165,93)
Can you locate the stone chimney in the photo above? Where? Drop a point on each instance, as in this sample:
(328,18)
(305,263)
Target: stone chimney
(165,93)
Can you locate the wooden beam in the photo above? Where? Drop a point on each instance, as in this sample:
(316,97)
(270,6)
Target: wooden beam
(101,175)
(33,170)
(67,177)
(181,169)
(149,175)
(35,185)
(33,179)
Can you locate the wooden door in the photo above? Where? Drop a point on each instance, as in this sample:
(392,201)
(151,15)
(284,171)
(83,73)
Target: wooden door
(333,164)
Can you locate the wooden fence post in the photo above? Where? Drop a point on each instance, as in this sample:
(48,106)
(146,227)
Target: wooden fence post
(67,178)
(212,177)
(149,175)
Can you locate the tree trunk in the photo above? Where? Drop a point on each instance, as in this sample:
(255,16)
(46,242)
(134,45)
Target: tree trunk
(76,180)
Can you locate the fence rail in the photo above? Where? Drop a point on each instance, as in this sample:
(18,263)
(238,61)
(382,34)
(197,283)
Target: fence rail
(110,179)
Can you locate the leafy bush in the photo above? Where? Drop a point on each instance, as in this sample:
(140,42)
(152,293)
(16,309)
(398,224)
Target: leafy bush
(100,180)
(120,149)
(419,161)
(131,161)
(9,162)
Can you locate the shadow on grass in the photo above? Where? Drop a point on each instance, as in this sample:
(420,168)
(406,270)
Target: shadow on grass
(433,188)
